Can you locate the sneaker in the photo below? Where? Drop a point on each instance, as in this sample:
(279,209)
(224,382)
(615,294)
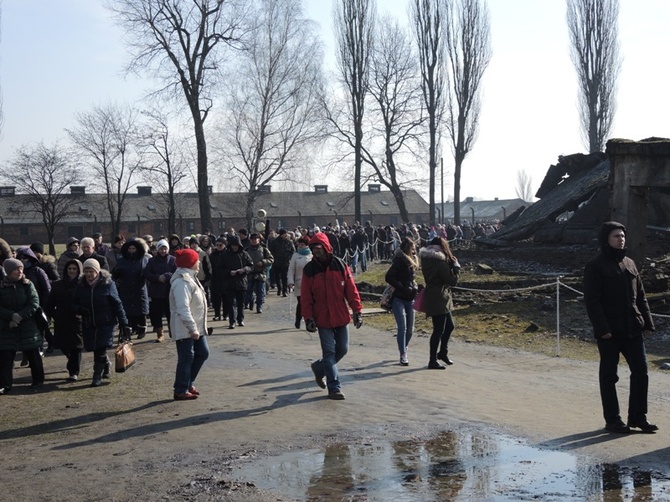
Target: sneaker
(241,323)
(232,326)
(320,380)
(72,378)
(216,318)
(337,395)
(643,425)
(618,427)
(434,365)
(186,396)
(259,310)
(194,391)
(4,390)
(24,362)
(403,360)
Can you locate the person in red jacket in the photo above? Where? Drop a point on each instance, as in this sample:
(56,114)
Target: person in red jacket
(327,292)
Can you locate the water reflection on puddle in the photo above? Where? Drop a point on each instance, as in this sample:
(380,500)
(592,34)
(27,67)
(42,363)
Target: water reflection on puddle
(450,466)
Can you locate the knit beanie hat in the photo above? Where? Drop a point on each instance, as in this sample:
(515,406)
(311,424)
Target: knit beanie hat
(11,264)
(92,263)
(186,258)
(162,244)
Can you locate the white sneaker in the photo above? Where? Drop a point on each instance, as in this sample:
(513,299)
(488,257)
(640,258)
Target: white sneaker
(403,359)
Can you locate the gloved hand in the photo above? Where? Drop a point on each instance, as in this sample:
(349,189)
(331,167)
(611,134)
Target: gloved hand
(310,325)
(127,332)
(358,320)
(13,324)
(16,318)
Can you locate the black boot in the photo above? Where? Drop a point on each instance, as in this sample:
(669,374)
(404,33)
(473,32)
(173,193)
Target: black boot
(445,358)
(98,368)
(107,370)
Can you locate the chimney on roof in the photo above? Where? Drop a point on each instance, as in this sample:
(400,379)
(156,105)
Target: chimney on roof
(145,190)
(77,190)
(320,188)
(469,199)
(265,188)
(374,188)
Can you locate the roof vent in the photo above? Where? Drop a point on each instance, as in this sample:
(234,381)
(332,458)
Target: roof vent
(374,188)
(320,188)
(77,190)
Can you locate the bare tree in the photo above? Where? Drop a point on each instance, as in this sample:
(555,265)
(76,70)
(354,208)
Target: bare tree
(524,185)
(274,100)
(397,118)
(180,41)
(109,142)
(44,174)
(428,18)
(593,27)
(354,29)
(468,41)
(166,164)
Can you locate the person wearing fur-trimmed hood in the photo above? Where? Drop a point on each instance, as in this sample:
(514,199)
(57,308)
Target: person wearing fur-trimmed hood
(441,271)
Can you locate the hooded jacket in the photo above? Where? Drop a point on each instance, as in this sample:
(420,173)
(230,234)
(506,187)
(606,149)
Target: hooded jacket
(613,292)
(34,273)
(235,260)
(328,289)
(21,298)
(402,276)
(157,267)
(67,326)
(129,277)
(440,278)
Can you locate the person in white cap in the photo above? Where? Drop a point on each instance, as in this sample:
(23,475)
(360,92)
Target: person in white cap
(158,273)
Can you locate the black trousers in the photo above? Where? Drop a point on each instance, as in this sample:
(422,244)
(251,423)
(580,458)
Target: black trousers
(235,299)
(7,367)
(159,308)
(443,325)
(281,275)
(634,353)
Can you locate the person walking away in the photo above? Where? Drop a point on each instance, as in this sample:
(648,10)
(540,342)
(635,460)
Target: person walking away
(131,284)
(96,300)
(282,249)
(158,273)
(327,292)
(618,310)
(18,330)
(262,259)
(300,258)
(188,323)
(237,265)
(441,271)
(402,277)
(218,296)
(67,326)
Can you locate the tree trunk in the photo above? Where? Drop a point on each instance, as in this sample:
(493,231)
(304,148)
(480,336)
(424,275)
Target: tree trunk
(400,201)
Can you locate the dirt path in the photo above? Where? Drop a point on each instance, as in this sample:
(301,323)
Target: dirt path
(130,441)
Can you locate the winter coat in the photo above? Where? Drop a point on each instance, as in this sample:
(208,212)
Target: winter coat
(326,290)
(104,264)
(262,258)
(614,297)
(100,309)
(34,273)
(402,276)
(218,279)
(67,326)
(48,264)
(65,257)
(113,256)
(129,277)
(188,305)
(159,266)
(235,261)
(21,298)
(440,277)
(282,249)
(295,268)
(205,270)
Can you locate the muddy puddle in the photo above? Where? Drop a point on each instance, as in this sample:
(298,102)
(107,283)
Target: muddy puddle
(450,466)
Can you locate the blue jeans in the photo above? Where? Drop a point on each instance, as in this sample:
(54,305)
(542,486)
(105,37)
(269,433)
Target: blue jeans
(191,355)
(334,346)
(257,287)
(403,311)
(359,254)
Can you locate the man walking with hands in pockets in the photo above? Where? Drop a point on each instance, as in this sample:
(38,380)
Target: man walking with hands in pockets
(327,292)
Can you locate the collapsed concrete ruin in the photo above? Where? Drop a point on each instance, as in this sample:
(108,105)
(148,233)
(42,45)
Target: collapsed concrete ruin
(629,183)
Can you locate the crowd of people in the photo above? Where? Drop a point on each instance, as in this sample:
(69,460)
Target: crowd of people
(94,289)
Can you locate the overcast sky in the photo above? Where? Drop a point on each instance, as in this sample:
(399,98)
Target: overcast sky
(59,57)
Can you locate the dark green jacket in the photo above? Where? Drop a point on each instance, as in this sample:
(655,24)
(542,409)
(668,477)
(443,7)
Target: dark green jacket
(440,277)
(21,298)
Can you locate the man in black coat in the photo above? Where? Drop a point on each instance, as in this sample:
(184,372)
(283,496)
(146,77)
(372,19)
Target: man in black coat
(617,307)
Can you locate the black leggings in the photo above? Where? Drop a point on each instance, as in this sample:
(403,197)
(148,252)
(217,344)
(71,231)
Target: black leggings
(443,325)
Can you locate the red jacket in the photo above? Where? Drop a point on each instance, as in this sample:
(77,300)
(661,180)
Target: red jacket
(326,290)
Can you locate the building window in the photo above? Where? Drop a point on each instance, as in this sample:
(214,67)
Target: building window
(190,226)
(23,231)
(221,225)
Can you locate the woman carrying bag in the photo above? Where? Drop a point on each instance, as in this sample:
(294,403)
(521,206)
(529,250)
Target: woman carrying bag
(402,277)
(440,272)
